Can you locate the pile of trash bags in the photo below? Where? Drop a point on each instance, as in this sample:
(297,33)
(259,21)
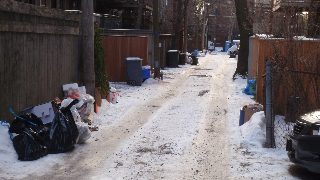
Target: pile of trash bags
(32,139)
(251,87)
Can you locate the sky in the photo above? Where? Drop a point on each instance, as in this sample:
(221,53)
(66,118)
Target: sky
(248,159)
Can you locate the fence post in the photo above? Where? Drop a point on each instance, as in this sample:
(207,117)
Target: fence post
(269,136)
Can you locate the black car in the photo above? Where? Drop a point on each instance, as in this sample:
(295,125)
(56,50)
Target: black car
(303,143)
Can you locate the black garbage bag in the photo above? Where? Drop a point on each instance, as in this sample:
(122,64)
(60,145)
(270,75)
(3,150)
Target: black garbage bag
(63,133)
(29,145)
(28,120)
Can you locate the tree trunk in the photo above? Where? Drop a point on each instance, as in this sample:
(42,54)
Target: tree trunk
(204,25)
(245,29)
(185,16)
(156,39)
(197,36)
(177,25)
(138,22)
(88,46)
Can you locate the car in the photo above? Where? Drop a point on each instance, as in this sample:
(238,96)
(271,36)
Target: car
(303,143)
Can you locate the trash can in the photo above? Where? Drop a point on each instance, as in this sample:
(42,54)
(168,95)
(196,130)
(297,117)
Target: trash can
(182,59)
(145,72)
(194,59)
(227,46)
(241,120)
(172,58)
(134,71)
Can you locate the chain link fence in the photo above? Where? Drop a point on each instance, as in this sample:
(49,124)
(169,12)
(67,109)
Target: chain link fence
(295,86)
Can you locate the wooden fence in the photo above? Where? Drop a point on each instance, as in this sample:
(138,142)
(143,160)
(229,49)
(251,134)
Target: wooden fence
(117,49)
(135,32)
(39,51)
(296,70)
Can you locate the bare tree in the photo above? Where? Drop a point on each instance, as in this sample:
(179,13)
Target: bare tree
(176,23)
(138,22)
(185,17)
(245,29)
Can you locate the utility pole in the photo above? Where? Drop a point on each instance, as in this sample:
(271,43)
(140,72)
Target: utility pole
(156,39)
(197,41)
(88,46)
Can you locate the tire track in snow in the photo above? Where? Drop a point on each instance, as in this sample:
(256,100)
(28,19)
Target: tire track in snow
(208,157)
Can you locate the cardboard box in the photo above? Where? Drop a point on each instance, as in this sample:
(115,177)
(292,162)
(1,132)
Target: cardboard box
(105,96)
(250,108)
(43,111)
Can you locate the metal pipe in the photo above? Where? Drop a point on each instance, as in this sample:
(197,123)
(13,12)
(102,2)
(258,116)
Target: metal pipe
(269,142)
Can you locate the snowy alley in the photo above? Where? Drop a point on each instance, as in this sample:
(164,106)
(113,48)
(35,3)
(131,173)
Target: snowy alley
(184,127)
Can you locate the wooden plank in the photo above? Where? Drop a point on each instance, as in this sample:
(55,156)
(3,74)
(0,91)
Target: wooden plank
(255,57)
(2,75)
(42,59)
(36,83)
(5,96)
(9,73)
(30,69)
(49,68)
(144,50)
(23,71)
(70,63)
(261,66)
(56,66)
(15,48)
(60,60)
(31,90)
(123,52)
(8,77)
(76,57)
(64,64)
(110,55)
(74,44)
(69,60)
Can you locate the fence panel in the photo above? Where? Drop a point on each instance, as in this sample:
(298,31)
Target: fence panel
(35,59)
(117,48)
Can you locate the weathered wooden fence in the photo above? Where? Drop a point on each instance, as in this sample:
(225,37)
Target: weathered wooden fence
(296,74)
(39,52)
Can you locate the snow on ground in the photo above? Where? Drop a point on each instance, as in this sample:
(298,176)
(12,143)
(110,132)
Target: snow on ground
(248,158)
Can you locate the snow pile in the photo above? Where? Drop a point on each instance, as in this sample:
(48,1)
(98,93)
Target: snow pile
(253,132)
(7,151)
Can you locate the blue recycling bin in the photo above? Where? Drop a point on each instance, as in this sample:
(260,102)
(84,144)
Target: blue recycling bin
(145,72)
(227,46)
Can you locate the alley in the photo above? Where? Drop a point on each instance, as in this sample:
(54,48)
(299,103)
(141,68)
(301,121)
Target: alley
(180,132)
(184,127)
